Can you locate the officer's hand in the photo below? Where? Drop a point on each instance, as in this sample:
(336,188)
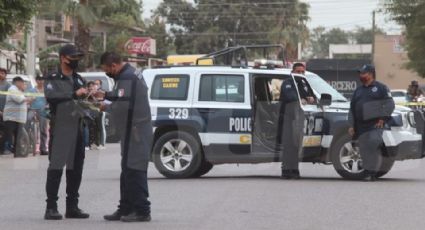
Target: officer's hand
(310,100)
(103,106)
(99,95)
(351,131)
(81,92)
(303,101)
(380,124)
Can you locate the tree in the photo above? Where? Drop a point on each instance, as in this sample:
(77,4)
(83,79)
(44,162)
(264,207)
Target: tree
(15,15)
(157,30)
(121,13)
(209,25)
(321,39)
(411,14)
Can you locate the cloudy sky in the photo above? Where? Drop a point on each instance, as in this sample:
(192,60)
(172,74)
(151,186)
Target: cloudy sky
(345,14)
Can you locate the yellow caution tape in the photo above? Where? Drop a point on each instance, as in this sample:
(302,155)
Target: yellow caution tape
(411,103)
(26,94)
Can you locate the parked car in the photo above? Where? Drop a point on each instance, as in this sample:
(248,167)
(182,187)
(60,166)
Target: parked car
(399,95)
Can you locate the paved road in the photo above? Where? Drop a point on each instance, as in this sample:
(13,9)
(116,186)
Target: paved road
(229,197)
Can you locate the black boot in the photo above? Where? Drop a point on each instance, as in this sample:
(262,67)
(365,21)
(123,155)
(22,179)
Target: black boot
(290,174)
(116,215)
(371,176)
(136,217)
(76,213)
(52,214)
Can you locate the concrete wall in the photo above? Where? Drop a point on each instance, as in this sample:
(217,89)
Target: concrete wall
(389,60)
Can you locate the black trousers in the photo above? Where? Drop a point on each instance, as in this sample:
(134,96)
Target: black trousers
(134,190)
(12,129)
(59,158)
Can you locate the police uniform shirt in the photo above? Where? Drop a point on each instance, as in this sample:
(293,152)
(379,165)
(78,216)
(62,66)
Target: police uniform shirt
(370,104)
(60,89)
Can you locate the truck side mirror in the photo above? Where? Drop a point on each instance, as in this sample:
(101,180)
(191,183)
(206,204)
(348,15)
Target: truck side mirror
(325,99)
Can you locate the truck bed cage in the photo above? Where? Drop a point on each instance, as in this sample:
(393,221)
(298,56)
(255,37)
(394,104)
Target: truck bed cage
(239,55)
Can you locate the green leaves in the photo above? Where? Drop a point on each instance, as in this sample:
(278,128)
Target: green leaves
(15,15)
(411,14)
(209,25)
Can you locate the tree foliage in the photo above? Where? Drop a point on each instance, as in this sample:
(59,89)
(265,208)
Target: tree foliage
(321,38)
(411,14)
(120,14)
(15,15)
(209,25)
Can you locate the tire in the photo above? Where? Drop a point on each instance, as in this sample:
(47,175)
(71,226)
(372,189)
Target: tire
(352,167)
(112,139)
(346,159)
(387,164)
(177,147)
(23,145)
(33,133)
(204,169)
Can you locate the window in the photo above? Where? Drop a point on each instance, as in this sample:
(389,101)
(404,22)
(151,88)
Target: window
(170,87)
(222,88)
(398,94)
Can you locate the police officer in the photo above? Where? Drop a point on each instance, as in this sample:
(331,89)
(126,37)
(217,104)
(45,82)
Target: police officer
(130,104)
(67,145)
(291,122)
(370,109)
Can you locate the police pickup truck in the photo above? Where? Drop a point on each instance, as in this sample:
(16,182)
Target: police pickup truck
(207,115)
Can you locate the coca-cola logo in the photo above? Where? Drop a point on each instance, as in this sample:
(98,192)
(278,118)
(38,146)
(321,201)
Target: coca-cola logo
(138,45)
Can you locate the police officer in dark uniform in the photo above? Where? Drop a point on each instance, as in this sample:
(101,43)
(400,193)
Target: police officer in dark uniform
(130,104)
(66,144)
(370,110)
(291,121)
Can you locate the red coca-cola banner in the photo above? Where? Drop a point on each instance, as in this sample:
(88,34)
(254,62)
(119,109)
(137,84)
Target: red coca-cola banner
(141,45)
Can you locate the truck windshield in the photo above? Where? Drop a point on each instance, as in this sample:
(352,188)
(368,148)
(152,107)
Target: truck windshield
(321,86)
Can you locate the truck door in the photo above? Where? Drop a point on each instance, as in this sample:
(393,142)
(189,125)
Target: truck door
(223,103)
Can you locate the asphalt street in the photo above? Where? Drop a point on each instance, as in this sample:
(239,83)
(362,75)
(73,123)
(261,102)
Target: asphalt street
(229,197)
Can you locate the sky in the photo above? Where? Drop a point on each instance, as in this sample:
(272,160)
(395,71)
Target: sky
(344,14)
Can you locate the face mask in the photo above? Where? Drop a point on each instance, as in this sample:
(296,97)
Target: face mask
(110,74)
(73,64)
(364,79)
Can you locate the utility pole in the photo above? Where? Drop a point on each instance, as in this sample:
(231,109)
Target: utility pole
(30,58)
(373,35)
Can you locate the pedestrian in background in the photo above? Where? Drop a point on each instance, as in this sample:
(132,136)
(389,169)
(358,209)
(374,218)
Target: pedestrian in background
(101,121)
(93,123)
(67,144)
(4,86)
(38,109)
(15,114)
(130,104)
(370,110)
(414,92)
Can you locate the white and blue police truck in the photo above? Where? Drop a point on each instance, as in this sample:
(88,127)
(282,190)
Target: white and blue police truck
(208,115)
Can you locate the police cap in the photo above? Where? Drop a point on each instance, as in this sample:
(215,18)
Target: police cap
(367,69)
(71,51)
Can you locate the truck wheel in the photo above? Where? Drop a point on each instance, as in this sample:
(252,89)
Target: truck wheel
(346,159)
(177,154)
(387,164)
(204,169)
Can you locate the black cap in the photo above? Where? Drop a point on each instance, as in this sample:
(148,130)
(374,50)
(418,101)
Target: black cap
(367,69)
(70,50)
(17,78)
